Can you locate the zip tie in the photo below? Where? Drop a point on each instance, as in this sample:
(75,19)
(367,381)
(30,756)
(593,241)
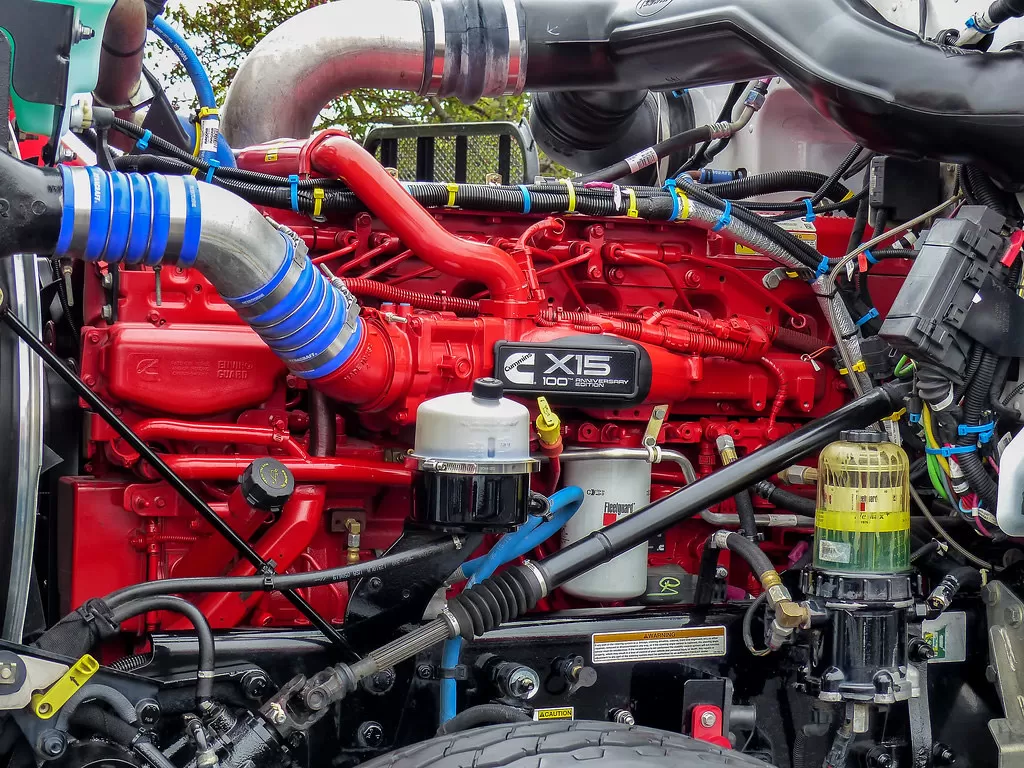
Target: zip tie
(684,214)
(871,315)
(527,200)
(452,189)
(670,186)
(725,219)
(848,196)
(820,270)
(632,212)
(914,418)
(318,201)
(952,450)
(214,165)
(572,195)
(143,143)
(809,204)
(293,180)
(983,431)
(869,257)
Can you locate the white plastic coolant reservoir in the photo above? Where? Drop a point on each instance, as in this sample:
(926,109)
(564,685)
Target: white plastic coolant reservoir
(612,489)
(479,426)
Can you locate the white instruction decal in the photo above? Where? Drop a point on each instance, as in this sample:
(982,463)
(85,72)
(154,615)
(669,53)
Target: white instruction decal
(658,645)
(642,159)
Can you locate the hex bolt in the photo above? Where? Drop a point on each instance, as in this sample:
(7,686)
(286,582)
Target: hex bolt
(106,312)
(276,714)
(371,733)
(708,719)
(254,683)
(1014,616)
(374,584)
(52,743)
(149,711)
(990,594)
(424,672)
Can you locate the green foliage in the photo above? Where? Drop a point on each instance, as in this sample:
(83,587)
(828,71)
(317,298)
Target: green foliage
(223,33)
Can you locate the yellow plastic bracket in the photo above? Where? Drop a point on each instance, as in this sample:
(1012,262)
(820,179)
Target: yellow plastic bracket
(571,190)
(633,213)
(452,189)
(549,426)
(46,705)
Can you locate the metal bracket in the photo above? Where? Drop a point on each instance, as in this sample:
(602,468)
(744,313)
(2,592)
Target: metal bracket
(1006,649)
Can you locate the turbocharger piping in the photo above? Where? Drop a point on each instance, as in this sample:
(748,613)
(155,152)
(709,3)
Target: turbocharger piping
(261,270)
(886,87)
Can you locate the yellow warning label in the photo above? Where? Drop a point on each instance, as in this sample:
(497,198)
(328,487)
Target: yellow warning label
(658,645)
(271,156)
(555,713)
(863,510)
(803,230)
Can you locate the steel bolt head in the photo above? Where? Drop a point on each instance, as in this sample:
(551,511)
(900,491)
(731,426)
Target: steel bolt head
(371,733)
(52,743)
(708,719)
(276,714)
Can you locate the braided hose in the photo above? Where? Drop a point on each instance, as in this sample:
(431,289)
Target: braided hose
(437,303)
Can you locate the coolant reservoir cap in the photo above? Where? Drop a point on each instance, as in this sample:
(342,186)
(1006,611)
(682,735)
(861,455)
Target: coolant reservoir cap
(267,484)
(862,436)
(487,388)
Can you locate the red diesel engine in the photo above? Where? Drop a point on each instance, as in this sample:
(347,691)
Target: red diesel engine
(723,354)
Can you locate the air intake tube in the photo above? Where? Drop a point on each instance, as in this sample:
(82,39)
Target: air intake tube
(890,90)
(260,270)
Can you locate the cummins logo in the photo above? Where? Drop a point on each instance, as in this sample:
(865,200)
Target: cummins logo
(514,368)
(651,7)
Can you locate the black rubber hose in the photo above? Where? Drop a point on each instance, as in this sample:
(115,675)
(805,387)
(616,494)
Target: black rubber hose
(996,390)
(323,426)
(975,399)
(204,635)
(700,157)
(279,582)
(796,210)
(1001,10)
(749,551)
(785,499)
(778,181)
(925,550)
(745,512)
(662,149)
(96,719)
(483,714)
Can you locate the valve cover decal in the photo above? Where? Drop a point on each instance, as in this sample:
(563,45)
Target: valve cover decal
(597,372)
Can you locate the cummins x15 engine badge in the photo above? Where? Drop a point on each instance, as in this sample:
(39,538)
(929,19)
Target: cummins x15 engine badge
(597,371)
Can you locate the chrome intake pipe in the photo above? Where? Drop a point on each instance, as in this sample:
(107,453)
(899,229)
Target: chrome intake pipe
(890,90)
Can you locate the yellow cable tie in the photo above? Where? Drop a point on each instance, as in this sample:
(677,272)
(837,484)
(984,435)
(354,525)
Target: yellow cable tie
(46,705)
(684,205)
(452,189)
(859,367)
(895,416)
(209,112)
(632,213)
(849,196)
(318,201)
(571,190)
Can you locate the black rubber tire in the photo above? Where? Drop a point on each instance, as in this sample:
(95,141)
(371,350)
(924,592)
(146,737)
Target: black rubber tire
(563,744)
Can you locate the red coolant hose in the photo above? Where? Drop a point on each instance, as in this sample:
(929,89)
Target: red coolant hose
(385,292)
(337,156)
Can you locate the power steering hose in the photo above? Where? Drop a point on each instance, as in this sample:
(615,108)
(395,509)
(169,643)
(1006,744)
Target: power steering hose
(515,591)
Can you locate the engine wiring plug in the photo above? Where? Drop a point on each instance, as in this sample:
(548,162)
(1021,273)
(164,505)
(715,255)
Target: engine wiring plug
(549,429)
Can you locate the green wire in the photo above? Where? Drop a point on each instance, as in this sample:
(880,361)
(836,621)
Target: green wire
(935,473)
(905,366)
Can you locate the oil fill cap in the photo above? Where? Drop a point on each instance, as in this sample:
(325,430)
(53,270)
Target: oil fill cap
(267,484)
(488,389)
